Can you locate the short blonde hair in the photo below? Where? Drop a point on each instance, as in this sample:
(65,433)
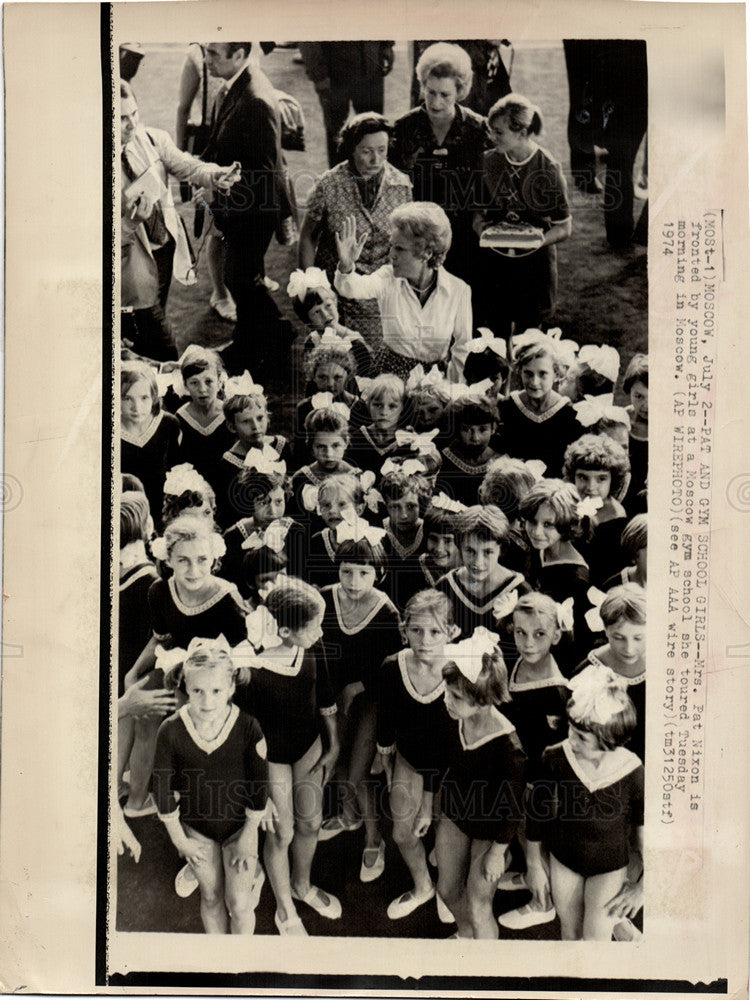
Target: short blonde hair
(443,60)
(427,228)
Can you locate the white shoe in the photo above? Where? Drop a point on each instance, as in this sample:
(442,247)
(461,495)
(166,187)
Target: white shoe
(523,917)
(444,914)
(408,902)
(368,873)
(185,882)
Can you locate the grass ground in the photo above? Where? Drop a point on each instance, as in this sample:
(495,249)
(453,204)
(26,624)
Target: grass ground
(602,299)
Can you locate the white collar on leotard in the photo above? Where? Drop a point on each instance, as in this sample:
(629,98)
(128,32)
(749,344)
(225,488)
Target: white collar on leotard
(139,440)
(423,699)
(504,728)
(208,746)
(616,765)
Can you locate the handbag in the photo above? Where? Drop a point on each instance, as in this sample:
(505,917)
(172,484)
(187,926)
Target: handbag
(292,134)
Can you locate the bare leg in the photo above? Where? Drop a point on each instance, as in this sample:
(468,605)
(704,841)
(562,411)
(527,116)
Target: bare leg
(599,889)
(125,738)
(567,895)
(237,894)
(142,761)
(210,875)
(308,815)
(276,850)
(453,850)
(362,755)
(480,894)
(406,798)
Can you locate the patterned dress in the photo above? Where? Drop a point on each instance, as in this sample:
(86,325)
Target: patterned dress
(335,197)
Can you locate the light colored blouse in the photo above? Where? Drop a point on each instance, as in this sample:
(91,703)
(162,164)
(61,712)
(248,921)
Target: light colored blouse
(427,333)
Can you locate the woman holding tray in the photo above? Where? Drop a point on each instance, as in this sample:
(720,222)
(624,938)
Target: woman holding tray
(524,190)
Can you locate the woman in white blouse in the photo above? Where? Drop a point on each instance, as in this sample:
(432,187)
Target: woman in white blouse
(426,311)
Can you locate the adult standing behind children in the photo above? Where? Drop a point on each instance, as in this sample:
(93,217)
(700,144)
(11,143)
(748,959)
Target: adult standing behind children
(246,129)
(439,145)
(364,185)
(155,247)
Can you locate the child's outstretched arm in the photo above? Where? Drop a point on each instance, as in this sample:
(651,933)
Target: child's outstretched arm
(558,232)
(144,664)
(327,760)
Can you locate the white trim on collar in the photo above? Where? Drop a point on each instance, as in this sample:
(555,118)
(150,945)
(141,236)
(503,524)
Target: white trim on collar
(208,746)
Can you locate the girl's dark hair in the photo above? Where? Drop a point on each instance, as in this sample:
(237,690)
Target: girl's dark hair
(397,484)
(634,536)
(506,482)
(134,515)
(294,603)
(562,497)
(354,131)
(336,354)
(439,521)
(257,485)
(469,411)
(302,306)
(197,359)
(485,521)
(325,421)
(490,687)
(362,553)
(484,364)
(131,483)
(263,560)
(597,452)
(591,383)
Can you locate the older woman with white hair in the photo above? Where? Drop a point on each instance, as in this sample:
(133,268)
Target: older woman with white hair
(426,311)
(439,145)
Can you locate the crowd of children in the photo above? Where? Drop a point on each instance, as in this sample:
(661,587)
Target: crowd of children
(435,584)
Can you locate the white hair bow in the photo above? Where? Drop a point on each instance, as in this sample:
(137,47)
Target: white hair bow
(300,282)
(478,390)
(159,549)
(536,467)
(409,467)
(487,341)
(565,618)
(273,537)
(601,358)
(182,478)
(262,628)
(309,497)
(592,409)
(505,604)
(242,385)
(356,529)
(467,654)
(363,385)
(166,659)
(589,506)
(266,461)
(372,497)
(421,443)
(171,380)
(565,350)
(443,502)
(592,616)
(593,691)
(418,379)
(324,401)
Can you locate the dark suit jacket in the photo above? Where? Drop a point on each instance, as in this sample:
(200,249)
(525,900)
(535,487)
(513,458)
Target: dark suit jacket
(247,129)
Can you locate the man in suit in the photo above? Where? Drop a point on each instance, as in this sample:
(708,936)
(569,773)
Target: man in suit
(246,128)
